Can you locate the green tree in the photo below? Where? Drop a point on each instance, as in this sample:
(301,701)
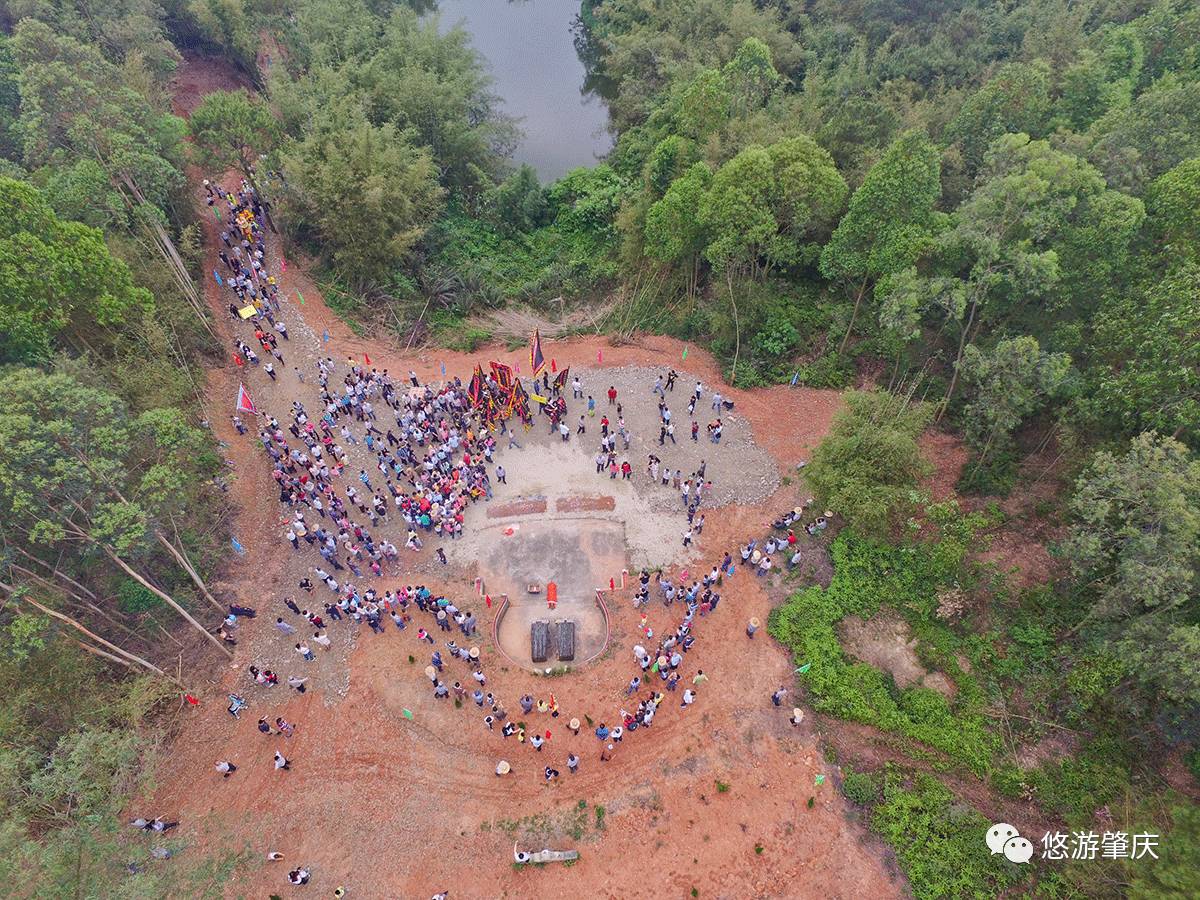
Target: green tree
(890,221)
(230,129)
(226,24)
(1176,875)
(518,203)
(131,32)
(10,103)
(58,281)
(1160,129)
(1015,99)
(1145,364)
(350,171)
(1040,234)
(750,77)
(1175,204)
(765,202)
(673,232)
(1135,544)
(703,106)
(670,158)
(1089,90)
(433,82)
(78,474)
(1007,384)
(868,467)
(76,104)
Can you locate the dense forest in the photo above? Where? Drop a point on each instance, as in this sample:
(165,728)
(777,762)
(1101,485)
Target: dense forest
(983,217)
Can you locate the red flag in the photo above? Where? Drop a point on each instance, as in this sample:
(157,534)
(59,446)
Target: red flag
(282,264)
(192,701)
(367,359)
(238,360)
(599,356)
(553,366)
(244,403)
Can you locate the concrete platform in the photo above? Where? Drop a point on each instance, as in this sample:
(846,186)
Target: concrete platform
(579,555)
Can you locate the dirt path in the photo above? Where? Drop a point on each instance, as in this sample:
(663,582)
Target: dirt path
(713,798)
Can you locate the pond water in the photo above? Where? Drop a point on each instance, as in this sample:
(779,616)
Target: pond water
(529,48)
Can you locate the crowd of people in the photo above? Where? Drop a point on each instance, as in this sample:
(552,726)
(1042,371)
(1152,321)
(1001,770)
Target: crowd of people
(433,457)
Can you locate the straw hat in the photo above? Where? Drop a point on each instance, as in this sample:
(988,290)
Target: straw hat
(474,653)
(797,713)
(662,661)
(829,513)
(574,724)
(430,672)
(754,622)
(503,768)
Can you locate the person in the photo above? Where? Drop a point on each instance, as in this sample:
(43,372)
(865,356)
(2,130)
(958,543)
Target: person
(602,732)
(298,876)
(502,768)
(751,627)
(500,474)
(304,651)
(689,697)
(226,768)
(699,678)
(155,824)
(797,716)
(281,762)
(606,753)
(777,697)
(572,763)
(551,774)
(612,395)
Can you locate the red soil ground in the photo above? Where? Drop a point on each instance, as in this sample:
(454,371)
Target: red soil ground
(713,798)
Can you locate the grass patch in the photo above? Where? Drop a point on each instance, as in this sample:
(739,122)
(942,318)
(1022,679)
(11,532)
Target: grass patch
(939,842)
(868,576)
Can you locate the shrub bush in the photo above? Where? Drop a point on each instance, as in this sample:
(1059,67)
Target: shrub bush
(939,842)
(860,788)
